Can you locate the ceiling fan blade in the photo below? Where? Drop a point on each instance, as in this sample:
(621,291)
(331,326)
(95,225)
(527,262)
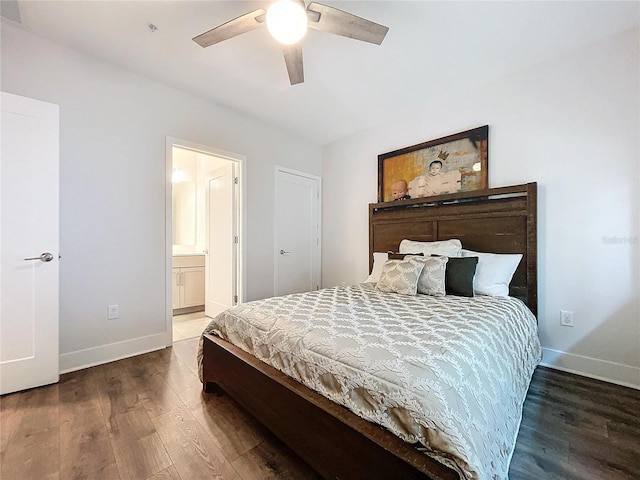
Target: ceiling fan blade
(293,59)
(342,23)
(232,28)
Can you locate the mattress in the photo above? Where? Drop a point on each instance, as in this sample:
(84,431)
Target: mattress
(449,374)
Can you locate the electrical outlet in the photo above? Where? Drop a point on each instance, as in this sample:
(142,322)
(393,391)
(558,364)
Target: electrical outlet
(566,318)
(113,312)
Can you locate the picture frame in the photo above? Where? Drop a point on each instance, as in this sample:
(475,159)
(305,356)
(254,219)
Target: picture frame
(451,164)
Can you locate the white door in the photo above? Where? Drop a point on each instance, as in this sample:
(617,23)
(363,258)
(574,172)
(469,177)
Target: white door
(221,240)
(28,244)
(297,230)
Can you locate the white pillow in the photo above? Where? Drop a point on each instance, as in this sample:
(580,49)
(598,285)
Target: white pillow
(493,272)
(379,260)
(448,248)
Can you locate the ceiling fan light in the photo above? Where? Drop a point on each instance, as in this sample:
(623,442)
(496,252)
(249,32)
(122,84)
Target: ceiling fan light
(287,21)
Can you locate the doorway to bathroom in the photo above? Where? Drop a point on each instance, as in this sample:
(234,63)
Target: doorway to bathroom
(204,232)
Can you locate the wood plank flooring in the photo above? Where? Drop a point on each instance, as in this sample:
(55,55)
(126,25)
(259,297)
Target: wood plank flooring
(578,428)
(146,418)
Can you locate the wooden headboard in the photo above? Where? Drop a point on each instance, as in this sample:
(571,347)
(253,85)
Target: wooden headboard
(496,220)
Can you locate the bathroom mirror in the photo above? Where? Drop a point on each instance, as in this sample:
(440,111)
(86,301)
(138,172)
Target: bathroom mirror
(184,214)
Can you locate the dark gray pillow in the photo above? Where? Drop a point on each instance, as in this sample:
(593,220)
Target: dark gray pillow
(402,256)
(458,277)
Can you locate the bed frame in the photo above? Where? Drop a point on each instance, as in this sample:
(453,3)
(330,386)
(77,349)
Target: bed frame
(335,442)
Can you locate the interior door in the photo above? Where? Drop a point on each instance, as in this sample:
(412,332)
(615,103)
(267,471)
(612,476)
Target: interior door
(221,239)
(297,228)
(28,244)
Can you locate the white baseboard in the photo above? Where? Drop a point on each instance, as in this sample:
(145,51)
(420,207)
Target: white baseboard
(625,375)
(72,361)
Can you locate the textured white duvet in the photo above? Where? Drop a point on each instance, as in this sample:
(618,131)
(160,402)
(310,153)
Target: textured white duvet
(450,373)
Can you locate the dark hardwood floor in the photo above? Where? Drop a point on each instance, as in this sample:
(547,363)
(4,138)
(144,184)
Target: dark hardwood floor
(146,418)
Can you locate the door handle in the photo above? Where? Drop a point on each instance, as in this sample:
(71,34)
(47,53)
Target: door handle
(282,252)
(45,257)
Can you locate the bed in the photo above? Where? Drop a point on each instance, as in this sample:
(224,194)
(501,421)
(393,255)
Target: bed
(351,402)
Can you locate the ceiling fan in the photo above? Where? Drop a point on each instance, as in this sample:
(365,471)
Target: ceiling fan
(287,21)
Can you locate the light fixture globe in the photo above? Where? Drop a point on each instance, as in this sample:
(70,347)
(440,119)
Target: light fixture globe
(287,21)
(177,175)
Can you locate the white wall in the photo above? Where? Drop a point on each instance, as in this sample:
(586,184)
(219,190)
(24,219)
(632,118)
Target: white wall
(113,126)
(572,125)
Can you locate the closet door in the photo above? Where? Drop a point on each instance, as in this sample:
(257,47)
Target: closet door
(297,232)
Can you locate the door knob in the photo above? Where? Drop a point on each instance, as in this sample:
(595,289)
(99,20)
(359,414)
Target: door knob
(282,252)
(45,257)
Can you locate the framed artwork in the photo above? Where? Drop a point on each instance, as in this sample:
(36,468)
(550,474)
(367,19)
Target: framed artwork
(456,163)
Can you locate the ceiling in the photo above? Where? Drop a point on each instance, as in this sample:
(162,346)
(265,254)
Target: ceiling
(432,50)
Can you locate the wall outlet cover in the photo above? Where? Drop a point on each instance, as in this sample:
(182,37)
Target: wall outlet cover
(566,318)
(113,312)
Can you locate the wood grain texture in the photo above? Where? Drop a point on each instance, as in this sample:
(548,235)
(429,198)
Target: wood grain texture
(194,453)
(233,430)
(8,420)
(85,446)
(154,392)
(294,62)
(116,391)
(184,382)
(169,473)
(137,447)
(186,353)
(573,428)
(230,29)
(36,429)
(271,460)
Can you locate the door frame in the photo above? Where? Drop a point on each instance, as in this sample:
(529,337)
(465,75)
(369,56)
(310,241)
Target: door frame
(240,161)
(310,176)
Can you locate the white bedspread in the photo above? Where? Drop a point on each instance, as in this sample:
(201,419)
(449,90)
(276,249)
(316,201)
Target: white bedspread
(450,373)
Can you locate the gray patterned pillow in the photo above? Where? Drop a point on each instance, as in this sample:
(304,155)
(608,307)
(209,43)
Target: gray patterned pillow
(432,278)
(400,276)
